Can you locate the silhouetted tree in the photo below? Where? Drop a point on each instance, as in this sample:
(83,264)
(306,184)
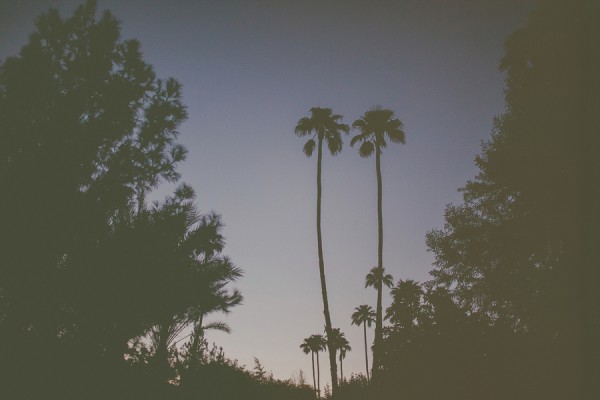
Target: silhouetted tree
(307,347)
(343,346)
(375,126)
(406,304)
(364,315)
(315,344)
(324,126)
(87,131)
(377,277)
(517,250)
(219,271)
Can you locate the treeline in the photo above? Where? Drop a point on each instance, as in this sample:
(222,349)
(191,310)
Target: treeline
(511,310)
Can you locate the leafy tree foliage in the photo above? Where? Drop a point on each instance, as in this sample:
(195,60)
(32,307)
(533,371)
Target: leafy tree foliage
(87,131)
(218,377)
(517,251)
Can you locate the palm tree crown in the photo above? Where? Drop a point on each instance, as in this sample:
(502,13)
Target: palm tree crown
(374,126)
(363,314)
(376,275)
(323,125)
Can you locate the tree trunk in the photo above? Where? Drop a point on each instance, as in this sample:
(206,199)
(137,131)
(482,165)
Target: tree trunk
(379,283)
(314,378)
(366,354)
(330,345)
(318,377)
(341,370)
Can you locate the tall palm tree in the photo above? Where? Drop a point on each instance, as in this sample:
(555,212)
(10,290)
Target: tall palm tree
(343,346)
(323,126)
(364,315)
(375,126)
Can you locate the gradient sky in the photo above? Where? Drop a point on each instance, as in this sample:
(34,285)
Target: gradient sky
(250,70)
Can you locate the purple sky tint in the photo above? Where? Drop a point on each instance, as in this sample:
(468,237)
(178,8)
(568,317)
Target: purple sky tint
(250,70)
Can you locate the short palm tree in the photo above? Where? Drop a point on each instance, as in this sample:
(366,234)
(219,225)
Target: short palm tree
(375,126)
(314,344)
(322,126)
(343,346)
(307,347)
(364,315)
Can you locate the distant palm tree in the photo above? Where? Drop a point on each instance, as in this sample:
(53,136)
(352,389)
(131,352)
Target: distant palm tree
(320,344)
(375,126)
(341,344)
(323,126)
(364,315)
(314,344)
(307,347)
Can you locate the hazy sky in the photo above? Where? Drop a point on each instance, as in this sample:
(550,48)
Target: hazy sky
(250,70)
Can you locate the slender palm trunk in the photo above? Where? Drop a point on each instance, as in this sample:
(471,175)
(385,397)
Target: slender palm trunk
(330,345)
(341,370)
(313,366)
(318,377)
(366,354)
(379,283)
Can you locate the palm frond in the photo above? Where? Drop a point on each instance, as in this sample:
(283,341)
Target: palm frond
(304,127)
(363,137)
(334,143)
(217,326)
(396,132)
(309,147)
(366,149)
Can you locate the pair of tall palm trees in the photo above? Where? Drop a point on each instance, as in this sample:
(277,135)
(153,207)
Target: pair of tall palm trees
(324,127)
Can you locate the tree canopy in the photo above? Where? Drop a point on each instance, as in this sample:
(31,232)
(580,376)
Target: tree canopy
(87,131)
(517,250)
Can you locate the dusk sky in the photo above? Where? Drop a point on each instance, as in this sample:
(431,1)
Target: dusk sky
(250,70)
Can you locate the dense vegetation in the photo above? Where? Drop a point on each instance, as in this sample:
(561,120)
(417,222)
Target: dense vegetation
(104,294)
(510,311)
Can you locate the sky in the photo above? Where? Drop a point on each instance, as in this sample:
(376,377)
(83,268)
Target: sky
(250,70)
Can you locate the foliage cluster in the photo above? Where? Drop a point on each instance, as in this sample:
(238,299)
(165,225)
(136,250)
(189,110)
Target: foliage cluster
(511,311)
(87,131)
